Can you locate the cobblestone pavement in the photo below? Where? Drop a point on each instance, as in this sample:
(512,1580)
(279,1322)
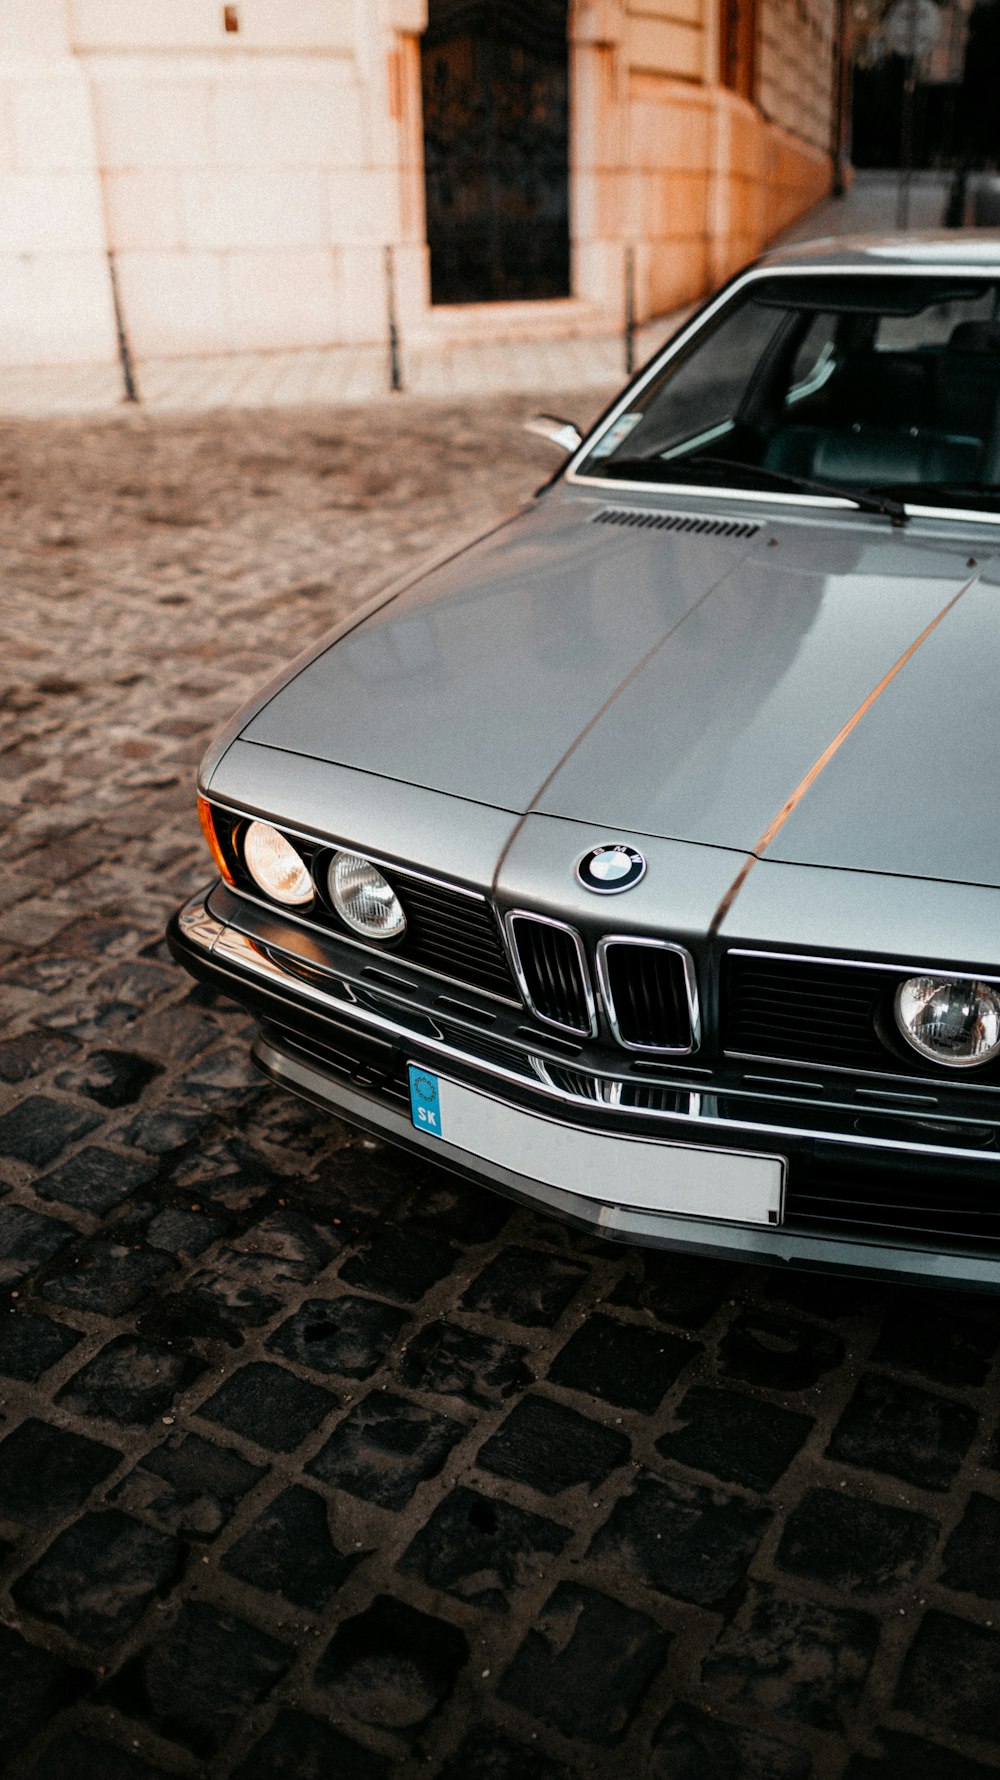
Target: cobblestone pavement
(314,1462)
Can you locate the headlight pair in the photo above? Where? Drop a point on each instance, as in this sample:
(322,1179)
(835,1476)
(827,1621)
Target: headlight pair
(361,896)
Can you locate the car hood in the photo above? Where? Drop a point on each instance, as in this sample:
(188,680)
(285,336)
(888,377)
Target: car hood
(696,678)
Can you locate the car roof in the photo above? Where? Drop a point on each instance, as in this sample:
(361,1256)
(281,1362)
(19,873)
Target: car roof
(945,250)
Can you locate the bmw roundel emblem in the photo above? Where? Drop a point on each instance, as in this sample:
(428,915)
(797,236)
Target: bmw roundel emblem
(609,870)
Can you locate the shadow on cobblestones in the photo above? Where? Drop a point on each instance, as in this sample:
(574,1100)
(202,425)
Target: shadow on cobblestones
(314,1462)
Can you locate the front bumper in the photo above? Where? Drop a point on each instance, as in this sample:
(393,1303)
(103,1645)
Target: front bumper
(874,1188)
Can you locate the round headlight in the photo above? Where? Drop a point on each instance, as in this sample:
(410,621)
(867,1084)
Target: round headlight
(363,898)
(948,1021)
(275,866)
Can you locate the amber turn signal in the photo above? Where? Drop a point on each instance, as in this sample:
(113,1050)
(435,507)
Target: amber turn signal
(208,830)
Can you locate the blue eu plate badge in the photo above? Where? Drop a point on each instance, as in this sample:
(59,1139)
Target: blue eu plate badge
(425,1101)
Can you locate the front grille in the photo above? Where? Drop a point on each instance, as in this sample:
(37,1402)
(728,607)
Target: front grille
(646,992)
(823,1013)
(811,1013)
(553,972)
(453,934)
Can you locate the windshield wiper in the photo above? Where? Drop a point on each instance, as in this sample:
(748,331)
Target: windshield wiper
(653,469)
(867,499)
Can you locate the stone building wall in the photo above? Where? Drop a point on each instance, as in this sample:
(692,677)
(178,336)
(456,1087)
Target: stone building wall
(247,182)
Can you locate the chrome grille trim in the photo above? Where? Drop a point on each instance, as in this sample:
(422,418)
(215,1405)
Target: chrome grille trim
(617,1016)
(568,986)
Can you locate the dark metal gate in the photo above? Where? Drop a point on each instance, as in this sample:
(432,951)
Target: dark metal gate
(496,149)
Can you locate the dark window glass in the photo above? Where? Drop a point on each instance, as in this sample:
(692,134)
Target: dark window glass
(889,384)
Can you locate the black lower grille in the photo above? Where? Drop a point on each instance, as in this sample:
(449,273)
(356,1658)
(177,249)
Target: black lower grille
(646,992)
(554,973)
(810,1013)
(452,933)
(943,1203)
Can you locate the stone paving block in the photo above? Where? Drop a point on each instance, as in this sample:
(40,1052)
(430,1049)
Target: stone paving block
(910,1758)
(298,1747)
(391,1666)
(71,1464)
(176,1034)
(223,1074)
(183,1319)
(626,1365)
(792,1659)
(458,1213)
(482,1550)
(526,1286)
(196,1681)
(299,1241)
(189,1485)
(455,1362)
(685,1290)
(31,1343)
(112,1078)
(349,1336)
(384,1448)
(183,1232)
(552,1448)
(129,1381)
(164,1128)
(267,1404)
(38,1129)
(27,1240)
(855,1546)
(95,1180)
(99,936)
(108,1276)
(48,973)
(832,1296)
(937,1343)
(34,1686)
(246,1290)
(31,1053)
(486,1755)
(399,1264)
(689,1745)
(289,1551)
(949,1678)
(75,1757)
(97,1578)
(765,1348)
(586,1667)
(904,1431)
(735,1438)
(682,1539)
(972,1555)
(226,1172)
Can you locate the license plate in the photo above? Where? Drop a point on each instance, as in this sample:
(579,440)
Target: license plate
(682,1179)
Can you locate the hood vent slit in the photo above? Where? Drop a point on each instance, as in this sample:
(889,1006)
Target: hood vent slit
(640,518)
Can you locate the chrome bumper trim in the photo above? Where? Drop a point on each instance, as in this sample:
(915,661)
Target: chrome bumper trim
(233,950)
(771,1245)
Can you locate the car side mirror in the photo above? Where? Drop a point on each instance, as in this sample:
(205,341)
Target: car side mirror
(558,432)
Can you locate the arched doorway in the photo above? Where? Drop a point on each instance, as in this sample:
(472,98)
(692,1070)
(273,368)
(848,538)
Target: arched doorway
(495,81)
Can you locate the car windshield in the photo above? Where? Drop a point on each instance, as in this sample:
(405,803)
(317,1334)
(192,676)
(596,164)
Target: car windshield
(884,385)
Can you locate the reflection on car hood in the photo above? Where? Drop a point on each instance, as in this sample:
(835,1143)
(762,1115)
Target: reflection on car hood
(682,684)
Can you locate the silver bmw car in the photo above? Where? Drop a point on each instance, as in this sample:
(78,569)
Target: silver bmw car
(641,860)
